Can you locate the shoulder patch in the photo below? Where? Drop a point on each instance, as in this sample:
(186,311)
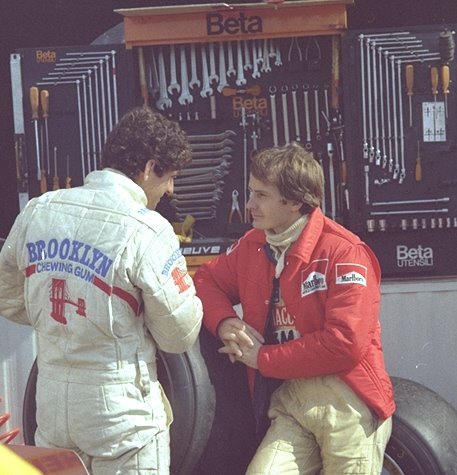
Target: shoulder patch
(314,277)
(350,273)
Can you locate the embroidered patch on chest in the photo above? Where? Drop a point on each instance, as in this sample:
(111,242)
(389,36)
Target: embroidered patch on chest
(314,277)
(351,274)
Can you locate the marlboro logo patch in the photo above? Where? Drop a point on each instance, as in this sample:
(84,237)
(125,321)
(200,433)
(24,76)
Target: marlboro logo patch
(314,277)
(351,274)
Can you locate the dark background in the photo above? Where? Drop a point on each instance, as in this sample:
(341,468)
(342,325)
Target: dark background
(33,23)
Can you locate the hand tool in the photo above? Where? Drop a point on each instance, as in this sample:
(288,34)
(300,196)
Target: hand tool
(411,202)
(313,54)
(213,77)
(185,97)
(222,69)
(377,154)
(206,90)
(245,161)
(413,211)
(308,144)
(55,180)
(434,81)
(211,137)
(240,79)
(164,102)
(235,207)
(44,98)
(211,145)
(316,112)
(152,72)
(274,122)
(255,63)
(278,60)
(266,68)
(34,103)
(294,56)
(362,88)
(212,153)
(402,171)
(194,81)
(173,86)
(142,76)
(254,90)
(335,74)
(68,178)
(445,85)
(231,71)
(418,170)
(247,56)
(285,114)
(296,116)
(409,73)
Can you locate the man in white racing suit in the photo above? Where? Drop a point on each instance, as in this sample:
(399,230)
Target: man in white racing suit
(100,276)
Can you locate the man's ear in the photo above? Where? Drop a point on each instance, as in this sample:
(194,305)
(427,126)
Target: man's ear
(149,168)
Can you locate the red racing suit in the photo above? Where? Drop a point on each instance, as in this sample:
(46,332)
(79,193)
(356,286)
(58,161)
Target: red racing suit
(330,293)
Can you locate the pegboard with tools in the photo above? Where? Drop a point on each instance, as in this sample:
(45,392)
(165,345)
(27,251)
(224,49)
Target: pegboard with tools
(234,98)
(65,102)
(401,130)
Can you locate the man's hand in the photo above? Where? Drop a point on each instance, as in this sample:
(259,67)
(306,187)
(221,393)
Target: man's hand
(240,340)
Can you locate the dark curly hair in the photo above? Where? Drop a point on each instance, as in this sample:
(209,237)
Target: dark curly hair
(143,134)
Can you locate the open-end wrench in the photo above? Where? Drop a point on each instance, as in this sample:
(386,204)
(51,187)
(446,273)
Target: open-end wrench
(266,68)
(278,60)
(274,120)
(206,87)
(211,145)
(194,81)
(212,153)
(173,86)
(223,162)
(153,74)
(222,68)
(213,77)
(201,175)
(211,137)
(285,114)
(247,56)
(240,79)
(316,112)
(164,102)
(231,71)
(255,63)
(185,97)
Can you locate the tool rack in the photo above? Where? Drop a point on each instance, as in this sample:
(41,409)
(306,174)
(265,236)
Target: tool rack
(370,105)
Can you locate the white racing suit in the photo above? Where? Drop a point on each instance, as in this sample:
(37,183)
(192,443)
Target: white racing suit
(102,280)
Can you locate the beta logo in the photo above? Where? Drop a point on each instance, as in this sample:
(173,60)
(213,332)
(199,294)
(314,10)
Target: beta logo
(216,24)
(414,256)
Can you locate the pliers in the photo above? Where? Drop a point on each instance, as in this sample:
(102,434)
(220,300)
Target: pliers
(235,207)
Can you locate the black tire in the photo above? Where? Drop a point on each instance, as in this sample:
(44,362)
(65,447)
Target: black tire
(424,433)
(191,394)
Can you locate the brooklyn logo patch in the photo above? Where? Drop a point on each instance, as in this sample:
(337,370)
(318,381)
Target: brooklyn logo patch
(351,274)
(314,277)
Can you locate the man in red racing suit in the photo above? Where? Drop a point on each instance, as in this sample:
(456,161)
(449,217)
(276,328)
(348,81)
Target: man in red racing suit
(309,292)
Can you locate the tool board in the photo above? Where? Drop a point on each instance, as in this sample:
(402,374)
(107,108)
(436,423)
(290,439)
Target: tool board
(235,97)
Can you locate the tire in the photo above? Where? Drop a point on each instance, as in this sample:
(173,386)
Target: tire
(187,385)
(424,433)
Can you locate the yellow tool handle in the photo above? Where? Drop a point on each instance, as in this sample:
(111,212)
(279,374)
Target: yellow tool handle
(335,80)
(34,101)
(44,97)
(43,182)
(409,71)
(55,183)
(418,171)
(445,78)
(434,79)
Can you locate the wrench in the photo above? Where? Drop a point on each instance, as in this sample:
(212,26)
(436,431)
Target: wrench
(255,63)
(212,153)
(231,71)
(274,122)
(240,79)
(222,69)
(295,106)
(164,102)
(210,137)
(174,86)
(213,77)
(266,68)
(247,56)
(308,144)
(285,114)
(194,81)
(153,74)
(185,97)
(206,88)
(278,61)
(211,145)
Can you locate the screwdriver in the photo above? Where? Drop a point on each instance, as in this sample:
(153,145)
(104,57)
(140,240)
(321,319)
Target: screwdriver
(55,180)
(445,84)
(68,179)
(44,98)
(434,80)
(418,171)
(409,90)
